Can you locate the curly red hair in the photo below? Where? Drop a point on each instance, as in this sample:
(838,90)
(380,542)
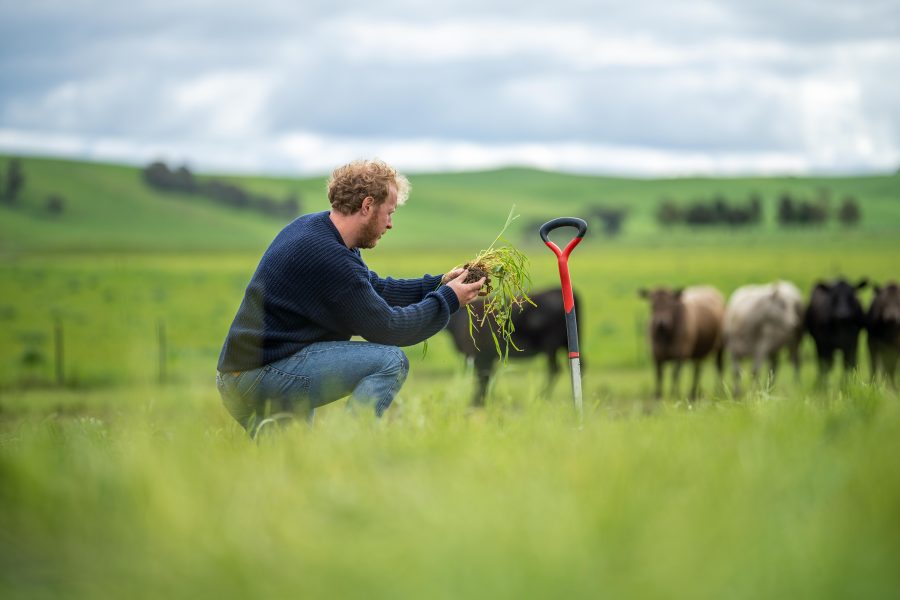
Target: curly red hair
(351,184)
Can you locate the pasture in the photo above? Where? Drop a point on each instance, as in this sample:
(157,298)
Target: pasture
(115,484)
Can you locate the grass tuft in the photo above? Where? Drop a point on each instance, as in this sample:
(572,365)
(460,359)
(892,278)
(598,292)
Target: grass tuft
(508,282)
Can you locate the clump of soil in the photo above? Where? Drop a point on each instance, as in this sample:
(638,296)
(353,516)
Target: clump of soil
(477,270)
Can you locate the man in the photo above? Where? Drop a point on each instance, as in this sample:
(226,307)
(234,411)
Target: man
(289,351)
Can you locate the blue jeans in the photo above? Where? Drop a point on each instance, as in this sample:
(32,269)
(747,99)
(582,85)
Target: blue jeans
(371,374)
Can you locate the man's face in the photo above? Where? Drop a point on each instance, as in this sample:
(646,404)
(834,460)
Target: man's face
(379,221)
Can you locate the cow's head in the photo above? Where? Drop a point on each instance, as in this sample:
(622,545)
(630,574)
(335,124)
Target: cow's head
(843,305)
(781,307)
(886,302)
(665,311)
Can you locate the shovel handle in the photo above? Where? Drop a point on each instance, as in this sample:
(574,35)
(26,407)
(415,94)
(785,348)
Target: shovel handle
(562,258)
(549,226)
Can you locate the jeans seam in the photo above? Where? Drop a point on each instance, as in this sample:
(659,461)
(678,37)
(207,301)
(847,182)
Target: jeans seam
(253,385)
(290,375)
(395,389)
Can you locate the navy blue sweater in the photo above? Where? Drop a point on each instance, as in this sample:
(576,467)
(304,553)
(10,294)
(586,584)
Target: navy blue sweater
(309,287)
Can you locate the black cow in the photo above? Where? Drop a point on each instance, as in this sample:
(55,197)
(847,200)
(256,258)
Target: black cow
(539,329)
(883,325)
(834,319)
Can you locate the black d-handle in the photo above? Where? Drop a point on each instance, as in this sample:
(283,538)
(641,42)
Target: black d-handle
(549,226)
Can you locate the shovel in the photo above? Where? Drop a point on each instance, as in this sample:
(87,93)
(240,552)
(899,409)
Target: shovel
(568,298)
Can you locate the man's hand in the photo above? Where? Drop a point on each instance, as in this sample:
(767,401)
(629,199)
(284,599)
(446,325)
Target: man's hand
(453,274)
(465,292)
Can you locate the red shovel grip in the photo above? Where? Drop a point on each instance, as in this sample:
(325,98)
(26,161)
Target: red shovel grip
(563,255)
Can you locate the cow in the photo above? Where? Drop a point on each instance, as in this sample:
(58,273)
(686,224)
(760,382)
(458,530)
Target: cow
(883,326)
(684,325)
(834,319)
(539,329)
(760,320)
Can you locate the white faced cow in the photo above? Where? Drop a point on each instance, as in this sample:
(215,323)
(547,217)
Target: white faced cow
(760,320)
(684,325)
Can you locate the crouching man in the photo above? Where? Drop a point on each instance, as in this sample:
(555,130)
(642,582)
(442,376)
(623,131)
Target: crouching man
(288,350)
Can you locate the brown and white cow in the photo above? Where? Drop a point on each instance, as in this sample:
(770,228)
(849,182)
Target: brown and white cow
(684,325)
(883,325)
(760,320)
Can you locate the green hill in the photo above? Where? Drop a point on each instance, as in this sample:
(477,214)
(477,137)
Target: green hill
(110,208)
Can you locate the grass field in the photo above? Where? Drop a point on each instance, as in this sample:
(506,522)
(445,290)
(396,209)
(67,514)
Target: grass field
(117,485)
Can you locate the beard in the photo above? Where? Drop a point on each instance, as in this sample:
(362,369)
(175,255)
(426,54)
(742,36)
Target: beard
(369,235)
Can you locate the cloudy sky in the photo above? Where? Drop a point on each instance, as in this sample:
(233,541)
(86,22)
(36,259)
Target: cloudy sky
(647,87)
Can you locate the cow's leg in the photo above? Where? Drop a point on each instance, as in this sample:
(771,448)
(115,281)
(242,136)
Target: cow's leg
(484,366)
(794,351)
(849,355)
(552,372)
(720,369)
(676,377)
(826,362)
(659,380)
(759,357)
(695,384)
(736,371)
(889,359)
(873,358)
(773,364)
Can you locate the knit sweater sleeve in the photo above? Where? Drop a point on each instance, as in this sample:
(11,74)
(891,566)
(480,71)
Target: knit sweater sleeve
(356,304)
(403,292)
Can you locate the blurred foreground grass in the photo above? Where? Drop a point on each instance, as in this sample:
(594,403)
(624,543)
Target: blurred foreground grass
(152,492)
(114,486)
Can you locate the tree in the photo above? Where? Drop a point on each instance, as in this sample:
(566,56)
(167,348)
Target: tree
(158,175)
(612,218)
(668,213)
(786,211)
(15,179)
(55,204)
(292,206)
(183,180)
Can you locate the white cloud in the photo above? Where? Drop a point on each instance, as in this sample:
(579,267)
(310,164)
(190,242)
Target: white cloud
(223,104)
(709,87)
(311,154)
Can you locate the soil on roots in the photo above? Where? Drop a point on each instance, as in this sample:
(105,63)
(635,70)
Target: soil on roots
(477,271)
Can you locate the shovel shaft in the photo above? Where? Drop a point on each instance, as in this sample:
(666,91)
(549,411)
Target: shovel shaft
(562,257)
(575,368)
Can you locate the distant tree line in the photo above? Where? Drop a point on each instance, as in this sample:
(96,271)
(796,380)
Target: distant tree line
(791,211)
(797,211)
(717,210)
(12,181)
(610,219)
(160,177)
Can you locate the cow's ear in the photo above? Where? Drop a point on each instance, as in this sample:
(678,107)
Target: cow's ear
(643,293)
(821,285)
(862,283)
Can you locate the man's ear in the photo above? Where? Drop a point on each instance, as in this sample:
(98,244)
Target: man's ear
(367,204)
